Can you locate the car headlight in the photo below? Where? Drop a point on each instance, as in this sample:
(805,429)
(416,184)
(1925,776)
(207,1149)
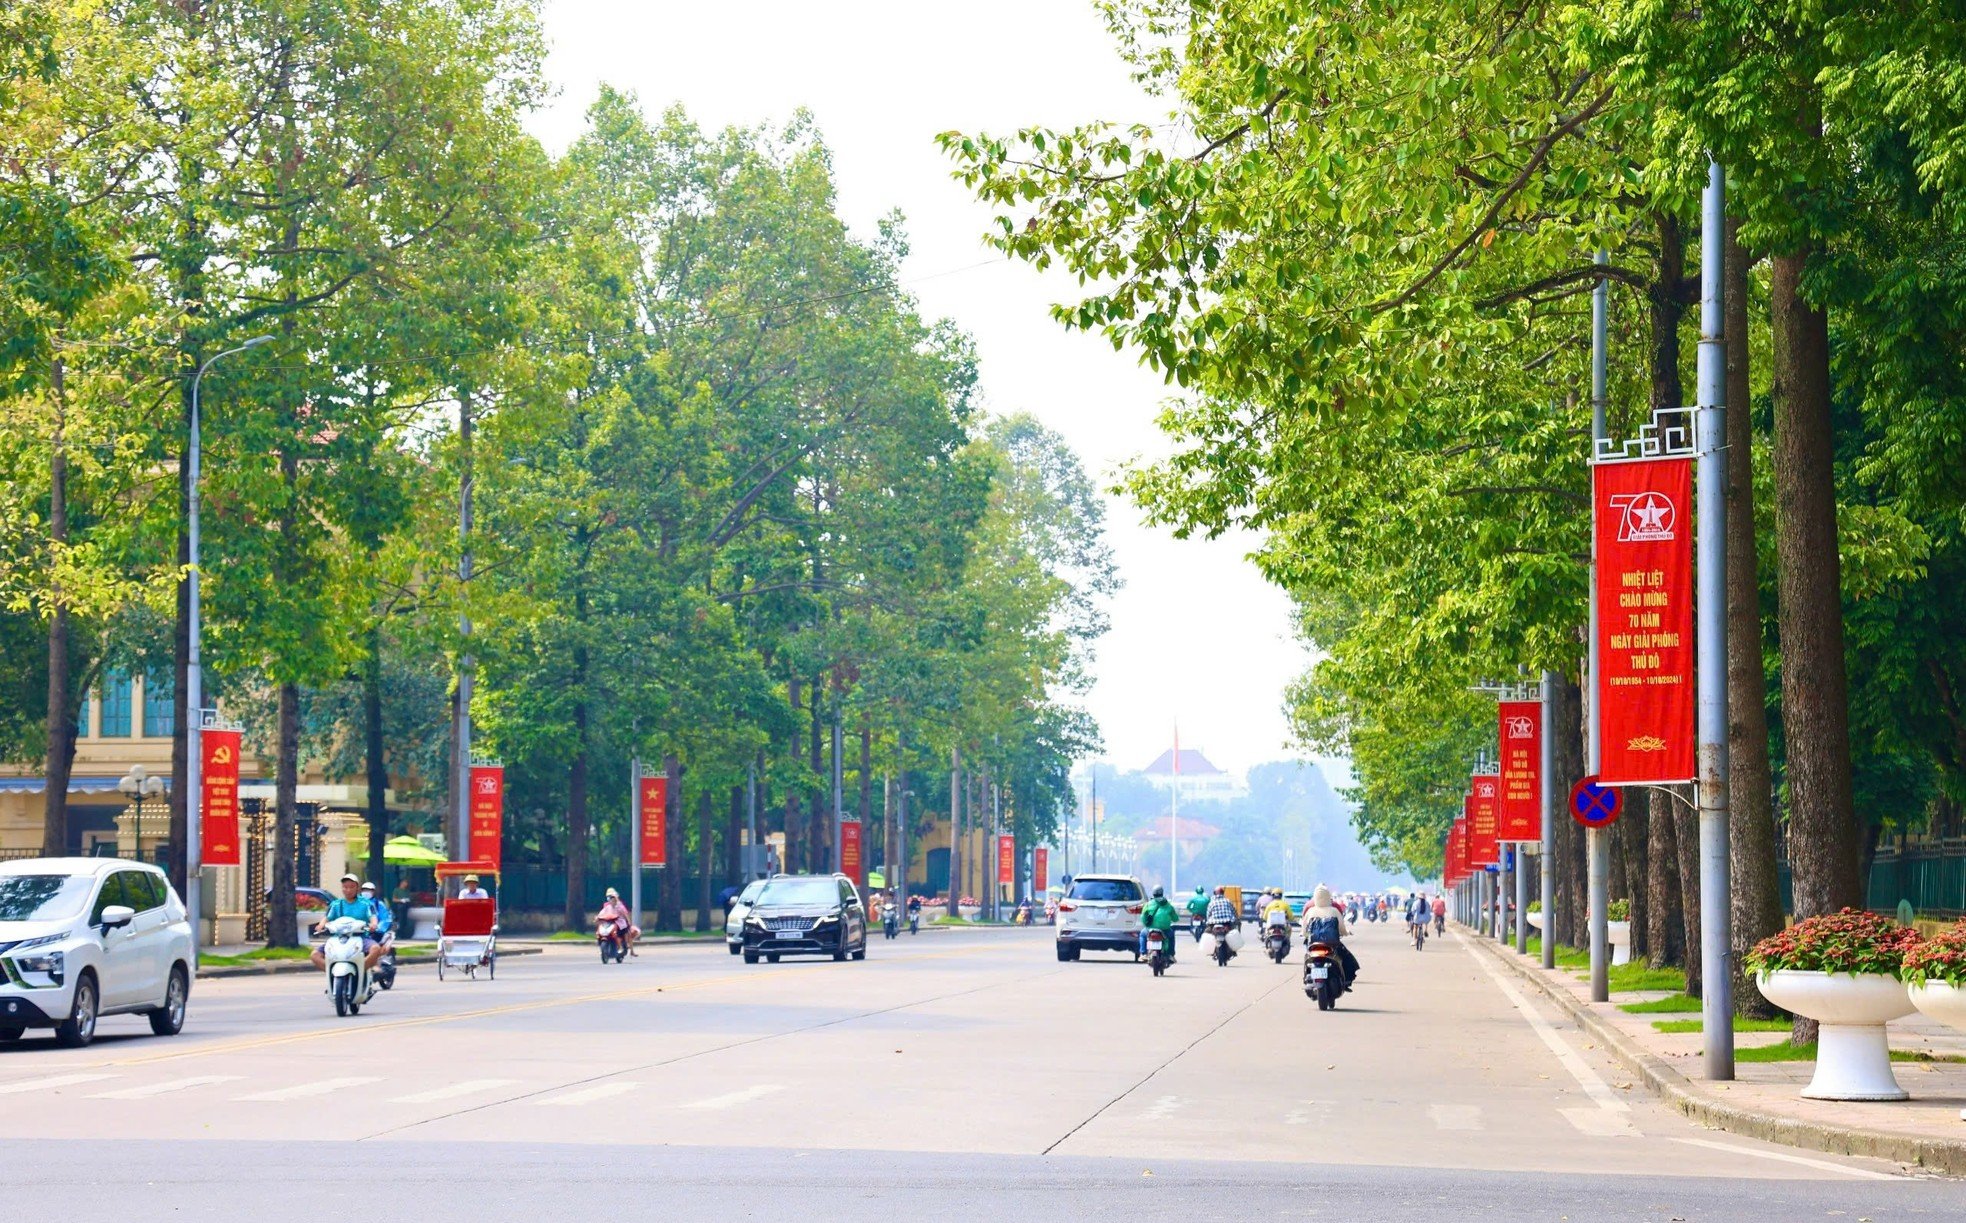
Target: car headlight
(830,917)
(50,964)
(753,921)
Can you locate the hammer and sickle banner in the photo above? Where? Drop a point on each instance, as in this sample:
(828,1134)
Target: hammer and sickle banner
(1643,524)
(1520,733)
(218,828)
(487,813)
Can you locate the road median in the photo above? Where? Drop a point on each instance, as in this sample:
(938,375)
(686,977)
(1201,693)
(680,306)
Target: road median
(1853,1129)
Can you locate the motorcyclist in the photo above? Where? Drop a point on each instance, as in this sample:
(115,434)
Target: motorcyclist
(616,913)
(385,921)
(914,914)
(1197,910)
(1159,915)
(351,904)
(1325,923)
(1276,910)
(1222,910)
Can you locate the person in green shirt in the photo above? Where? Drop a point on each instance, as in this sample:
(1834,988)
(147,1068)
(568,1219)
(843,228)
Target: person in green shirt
(1158,915)
(1197,912)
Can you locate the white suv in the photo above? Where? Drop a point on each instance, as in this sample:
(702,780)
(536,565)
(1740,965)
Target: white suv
(1102,913)
(85,937)
(734,920)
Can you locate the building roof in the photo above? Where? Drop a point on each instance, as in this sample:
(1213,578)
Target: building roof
(1193,764)
(1187,829)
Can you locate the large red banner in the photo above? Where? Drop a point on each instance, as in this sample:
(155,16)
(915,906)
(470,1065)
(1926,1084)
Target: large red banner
(654,803)
(1519,730)
(1642,515)
(850,855)
(1006,859)
(218,777)
(1484,809)
(1040,869)
(487,812)
(1457,842)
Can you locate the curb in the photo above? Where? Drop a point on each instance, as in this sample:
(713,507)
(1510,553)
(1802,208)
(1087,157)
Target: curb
(1666,1082)
(280,968)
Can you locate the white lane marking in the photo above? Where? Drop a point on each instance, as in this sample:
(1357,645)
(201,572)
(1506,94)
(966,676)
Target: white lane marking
(734,1098)
(587,1095)
(1599,1123)
(452,1091)
(1596,1088)
(301,1091)
(1164,1107)
(1823,1164)
(166,1087)
(1455,1116)
(50,1083)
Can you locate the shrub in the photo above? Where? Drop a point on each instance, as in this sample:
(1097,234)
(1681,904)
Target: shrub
(1620,910)
(1939,958)
(1851,941)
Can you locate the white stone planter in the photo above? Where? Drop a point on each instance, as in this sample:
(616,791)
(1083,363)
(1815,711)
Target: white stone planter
(972,912)
(1943,1002)
(425,923)
(1535,921)
(1853,1055)
(1620,935)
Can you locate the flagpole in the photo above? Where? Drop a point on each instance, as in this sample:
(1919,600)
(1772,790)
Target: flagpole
(1174,824)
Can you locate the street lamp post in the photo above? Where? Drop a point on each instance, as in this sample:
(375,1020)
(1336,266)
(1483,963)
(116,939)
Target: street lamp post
(139,785)
(193,669)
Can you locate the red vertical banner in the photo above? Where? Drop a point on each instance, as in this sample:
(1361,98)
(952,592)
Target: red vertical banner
(850,856)
(654,810)
(1040,869)
(1457,840)
(1484,811)
(1643,523)
(1007,860)
(1519,730)
(218,826)
(487,813)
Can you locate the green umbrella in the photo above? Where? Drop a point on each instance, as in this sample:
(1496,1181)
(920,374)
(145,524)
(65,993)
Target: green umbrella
(408,851)
(876,880)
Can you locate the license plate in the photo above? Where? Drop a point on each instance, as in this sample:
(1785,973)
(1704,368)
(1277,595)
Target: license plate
(1319,972)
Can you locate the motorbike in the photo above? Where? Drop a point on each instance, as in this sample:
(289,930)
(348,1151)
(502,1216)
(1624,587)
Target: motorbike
(1226,938)
(385,968)
(348,973)
(891,923)
(1195,926)
(1157,952)
(914,921)
(612,935)
(1324,976)
(1277,939)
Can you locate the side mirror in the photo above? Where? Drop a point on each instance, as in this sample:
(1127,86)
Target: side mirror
(116,916)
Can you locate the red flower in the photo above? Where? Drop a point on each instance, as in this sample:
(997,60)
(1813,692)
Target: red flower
(1851,941)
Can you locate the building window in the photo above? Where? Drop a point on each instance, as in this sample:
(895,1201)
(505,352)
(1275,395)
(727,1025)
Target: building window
(115,706)
(159,704)
(82,716)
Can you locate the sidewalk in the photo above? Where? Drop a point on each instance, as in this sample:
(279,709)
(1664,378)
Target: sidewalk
(1764,1100)
(406,954)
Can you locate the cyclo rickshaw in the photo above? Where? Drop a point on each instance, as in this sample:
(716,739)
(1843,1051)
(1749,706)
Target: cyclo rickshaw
(468,938)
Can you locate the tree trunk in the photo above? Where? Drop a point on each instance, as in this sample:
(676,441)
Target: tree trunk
(378,769)
(955,829)
(734,840)
(1635,827)
(578,826)
(669,880)
(1663,922)
(1686,839)
(1756,903)
(1567,729)
(796,850)
(821,825)
(1823,834)
(1666,302)
(706,834)
(61,718)
(282,928)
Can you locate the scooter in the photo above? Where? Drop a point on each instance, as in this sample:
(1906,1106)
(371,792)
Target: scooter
(1195,927)
(1158,957)
(612,935)
(1224,948)
(1324,976)
(348,972)
(891,923)
(914,921)
(385,968)
(1278,942)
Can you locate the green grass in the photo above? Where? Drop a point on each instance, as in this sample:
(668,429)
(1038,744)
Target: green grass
(1741,1024)
(258,955)
(1786,1051)
(1672,1004)
(1628,978)
(587,936)
(1566,957)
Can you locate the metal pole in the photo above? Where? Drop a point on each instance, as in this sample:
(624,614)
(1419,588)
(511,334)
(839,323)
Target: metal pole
(1521,901)
(635,839)
(839,847)
(461,716)
(194,677)
(1546,858)
(1174,824)
(1095,820)
(755,864)
(996,830)
(1716,922)
(1597,841)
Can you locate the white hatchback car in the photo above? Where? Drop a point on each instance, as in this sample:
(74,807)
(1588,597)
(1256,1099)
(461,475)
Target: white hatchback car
(1100,913)
(81,938)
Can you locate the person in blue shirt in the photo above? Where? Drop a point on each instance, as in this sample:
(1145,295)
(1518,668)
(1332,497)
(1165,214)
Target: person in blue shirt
(351,904)
(385,917)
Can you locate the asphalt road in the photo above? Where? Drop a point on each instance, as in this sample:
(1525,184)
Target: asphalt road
(949,1073)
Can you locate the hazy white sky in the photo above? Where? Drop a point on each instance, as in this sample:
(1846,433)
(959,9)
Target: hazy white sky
(1197,634)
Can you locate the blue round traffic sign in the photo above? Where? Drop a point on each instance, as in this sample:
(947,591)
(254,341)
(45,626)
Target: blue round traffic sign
(1595,805)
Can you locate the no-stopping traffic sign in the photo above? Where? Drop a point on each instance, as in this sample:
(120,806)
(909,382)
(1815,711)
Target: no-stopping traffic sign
(1594,805)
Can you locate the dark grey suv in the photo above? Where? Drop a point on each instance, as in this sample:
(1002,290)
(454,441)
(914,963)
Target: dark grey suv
(806,915)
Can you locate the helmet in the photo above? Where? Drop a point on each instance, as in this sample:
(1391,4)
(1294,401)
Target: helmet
(1160,893)
(367,886)
(1221,891)
(1199,889)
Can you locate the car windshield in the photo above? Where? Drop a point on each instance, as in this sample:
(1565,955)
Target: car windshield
(1105,889)
(811,890)
(751,890)
(42,897)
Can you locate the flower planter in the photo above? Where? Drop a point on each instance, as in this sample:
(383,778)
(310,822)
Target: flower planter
(1943,1002)
(1535,921)
(969,911)
(1853,1056)
(1620,935)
